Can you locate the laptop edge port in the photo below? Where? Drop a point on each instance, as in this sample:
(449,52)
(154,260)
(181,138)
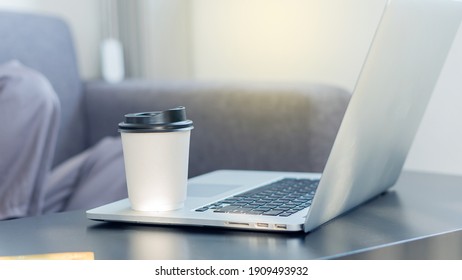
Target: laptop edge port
(238,224)
(262,225)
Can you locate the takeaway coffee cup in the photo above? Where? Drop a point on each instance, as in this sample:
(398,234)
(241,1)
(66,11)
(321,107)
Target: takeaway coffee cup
(156,153)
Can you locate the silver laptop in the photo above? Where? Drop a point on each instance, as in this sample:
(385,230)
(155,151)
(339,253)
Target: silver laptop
(397,79)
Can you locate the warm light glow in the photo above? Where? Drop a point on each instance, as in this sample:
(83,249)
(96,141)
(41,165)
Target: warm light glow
(292,40)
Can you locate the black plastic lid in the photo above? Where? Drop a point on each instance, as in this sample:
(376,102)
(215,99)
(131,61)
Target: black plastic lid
(158,121)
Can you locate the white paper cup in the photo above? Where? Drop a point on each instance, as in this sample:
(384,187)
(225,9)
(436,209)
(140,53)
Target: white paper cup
(156,155)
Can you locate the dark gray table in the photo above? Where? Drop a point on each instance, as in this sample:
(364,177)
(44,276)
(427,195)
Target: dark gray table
(418,206)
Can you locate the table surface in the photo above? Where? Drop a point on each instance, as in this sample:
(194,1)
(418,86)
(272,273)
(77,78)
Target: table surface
(418,206)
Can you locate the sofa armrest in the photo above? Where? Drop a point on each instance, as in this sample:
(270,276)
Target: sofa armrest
(283,127)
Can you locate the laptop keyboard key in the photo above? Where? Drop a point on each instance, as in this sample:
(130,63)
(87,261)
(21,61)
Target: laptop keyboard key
(272,212)
(226,209)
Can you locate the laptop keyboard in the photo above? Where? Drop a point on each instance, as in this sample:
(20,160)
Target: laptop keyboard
(281,198)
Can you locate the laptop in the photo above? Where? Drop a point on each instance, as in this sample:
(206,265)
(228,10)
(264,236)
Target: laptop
(396,81)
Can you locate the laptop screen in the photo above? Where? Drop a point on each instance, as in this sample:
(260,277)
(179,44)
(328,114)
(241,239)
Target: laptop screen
(396,82)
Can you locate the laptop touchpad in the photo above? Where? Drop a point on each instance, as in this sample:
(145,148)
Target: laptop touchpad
(208,190)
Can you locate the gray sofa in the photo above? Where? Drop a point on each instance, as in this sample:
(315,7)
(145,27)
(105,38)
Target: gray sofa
(258,126)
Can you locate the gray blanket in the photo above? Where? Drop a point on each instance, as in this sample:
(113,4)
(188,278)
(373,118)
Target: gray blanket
(29,112)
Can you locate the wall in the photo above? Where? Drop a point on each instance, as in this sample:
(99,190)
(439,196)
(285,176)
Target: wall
(274,40)
(438,144)
(166,47)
